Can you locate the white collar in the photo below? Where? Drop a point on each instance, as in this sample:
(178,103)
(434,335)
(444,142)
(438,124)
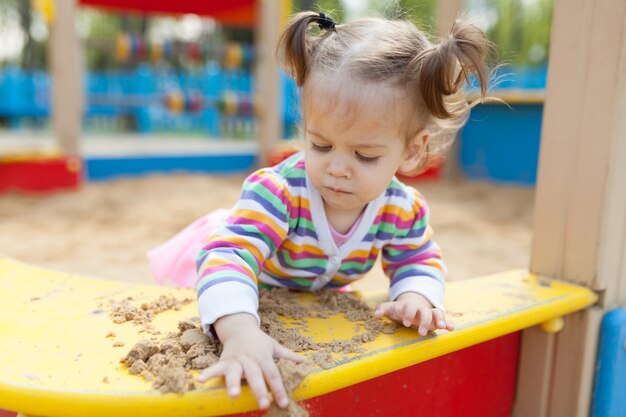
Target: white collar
(322,227)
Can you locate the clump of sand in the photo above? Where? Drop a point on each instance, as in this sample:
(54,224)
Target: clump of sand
(282,302)
(168,363)
(123,311)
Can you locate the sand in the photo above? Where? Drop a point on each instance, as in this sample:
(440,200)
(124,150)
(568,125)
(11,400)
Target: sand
(168,361)
(105,229)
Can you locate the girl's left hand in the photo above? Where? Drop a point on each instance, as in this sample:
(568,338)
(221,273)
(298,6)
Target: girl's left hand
(414,310)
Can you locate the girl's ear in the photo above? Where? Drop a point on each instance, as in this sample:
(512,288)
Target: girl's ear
(415,152)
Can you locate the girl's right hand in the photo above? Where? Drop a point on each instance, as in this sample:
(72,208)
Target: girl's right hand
(249,352)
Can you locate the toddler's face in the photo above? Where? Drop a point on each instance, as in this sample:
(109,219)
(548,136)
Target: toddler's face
(351,161)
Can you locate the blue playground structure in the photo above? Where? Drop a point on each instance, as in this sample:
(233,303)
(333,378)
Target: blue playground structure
(608,396)
(499,143)
(146,99)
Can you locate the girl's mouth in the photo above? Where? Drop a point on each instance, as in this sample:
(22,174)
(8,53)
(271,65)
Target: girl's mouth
(337,190)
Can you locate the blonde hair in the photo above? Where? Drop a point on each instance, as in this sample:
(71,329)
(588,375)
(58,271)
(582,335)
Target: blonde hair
(397,54)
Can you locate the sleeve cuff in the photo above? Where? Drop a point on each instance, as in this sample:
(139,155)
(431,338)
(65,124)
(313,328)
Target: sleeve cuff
(227,298)
(429,287)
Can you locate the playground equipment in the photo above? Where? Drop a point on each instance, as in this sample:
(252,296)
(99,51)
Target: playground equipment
(265,17)
(238,113)
(611,368)
(39,172)
(579,243)
(85,378)
(500,142)
(149,97)
(131,47)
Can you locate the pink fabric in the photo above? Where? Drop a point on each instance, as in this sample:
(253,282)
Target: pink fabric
(339,238)
(175,260)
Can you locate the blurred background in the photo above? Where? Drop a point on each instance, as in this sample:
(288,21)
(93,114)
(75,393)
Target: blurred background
(169,127)
(170,76)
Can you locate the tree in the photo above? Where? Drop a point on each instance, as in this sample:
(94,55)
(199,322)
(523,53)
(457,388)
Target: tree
(522,30)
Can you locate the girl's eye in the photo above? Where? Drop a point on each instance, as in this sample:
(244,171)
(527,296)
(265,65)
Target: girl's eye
(320,148)
(367,159)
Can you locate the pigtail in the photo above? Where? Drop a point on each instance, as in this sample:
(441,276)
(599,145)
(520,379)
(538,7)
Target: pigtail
(295,47)
(442,70)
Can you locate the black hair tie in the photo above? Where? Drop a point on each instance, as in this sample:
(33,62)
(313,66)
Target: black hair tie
(325,22)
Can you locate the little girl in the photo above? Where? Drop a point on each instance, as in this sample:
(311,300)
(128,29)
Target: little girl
(377,98)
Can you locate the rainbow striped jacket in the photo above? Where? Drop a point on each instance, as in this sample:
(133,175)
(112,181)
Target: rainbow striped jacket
(277,234)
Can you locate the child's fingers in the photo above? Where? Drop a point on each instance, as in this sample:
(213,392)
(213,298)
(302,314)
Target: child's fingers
(281,352)
(409,313)
(382,309)
(256,382)
(212,371)
(275,381)
(439,320)
(233,379)
(426,317)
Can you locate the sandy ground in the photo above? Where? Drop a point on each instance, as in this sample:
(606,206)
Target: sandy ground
(105,229)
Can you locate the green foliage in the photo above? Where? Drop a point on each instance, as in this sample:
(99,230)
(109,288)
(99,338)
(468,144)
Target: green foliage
(521,32)
(34,53)
(103,28)
(422,13)
(520,29)
(333,8)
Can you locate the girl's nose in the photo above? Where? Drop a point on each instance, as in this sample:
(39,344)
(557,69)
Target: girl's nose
(338,167)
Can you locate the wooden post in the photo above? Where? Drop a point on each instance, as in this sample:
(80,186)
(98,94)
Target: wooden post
(582,139)
(65,67)
(537,346)
(447,12)
(612,246)
(579,231)
(267,78)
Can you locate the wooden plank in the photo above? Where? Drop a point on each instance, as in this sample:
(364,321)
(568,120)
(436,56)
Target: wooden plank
(447,12)
(612,267)
(552,387)
(578,134)
(85,377)
(515,96)
(66,70)
(267,76)
(574,364)
(598,122)
(559,136)
(533,388)
(620,287)
(580,206)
